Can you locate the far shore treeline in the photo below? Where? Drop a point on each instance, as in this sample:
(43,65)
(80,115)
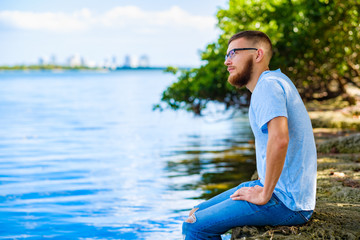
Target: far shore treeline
(316,43)
(64,67)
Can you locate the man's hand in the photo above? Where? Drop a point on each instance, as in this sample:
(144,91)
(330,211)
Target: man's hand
(253,195)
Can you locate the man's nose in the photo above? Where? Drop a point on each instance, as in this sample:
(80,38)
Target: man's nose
(227,62)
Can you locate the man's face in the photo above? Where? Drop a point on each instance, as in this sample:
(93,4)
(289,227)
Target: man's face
(240,65)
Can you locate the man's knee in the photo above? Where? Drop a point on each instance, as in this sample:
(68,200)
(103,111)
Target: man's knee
(194,228)
(189,228)
(192,217)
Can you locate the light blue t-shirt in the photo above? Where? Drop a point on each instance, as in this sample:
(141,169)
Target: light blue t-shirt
(274,96)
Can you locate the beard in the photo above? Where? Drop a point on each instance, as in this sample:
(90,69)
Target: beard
(242,78)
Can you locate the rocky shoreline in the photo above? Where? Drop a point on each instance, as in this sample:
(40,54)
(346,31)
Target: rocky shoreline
(337,212)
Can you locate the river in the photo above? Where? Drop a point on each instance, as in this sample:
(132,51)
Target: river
(84,156)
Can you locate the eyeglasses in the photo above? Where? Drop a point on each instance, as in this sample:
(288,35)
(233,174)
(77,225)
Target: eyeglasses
(231,54)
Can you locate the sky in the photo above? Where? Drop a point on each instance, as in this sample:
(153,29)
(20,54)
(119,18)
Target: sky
(169,32)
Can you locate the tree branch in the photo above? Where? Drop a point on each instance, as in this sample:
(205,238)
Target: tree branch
(353,66)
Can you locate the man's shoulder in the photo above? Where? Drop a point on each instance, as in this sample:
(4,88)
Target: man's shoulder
(270,77)
(278,80)
(271,81)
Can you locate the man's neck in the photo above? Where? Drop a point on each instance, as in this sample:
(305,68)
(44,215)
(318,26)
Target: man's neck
(255,77)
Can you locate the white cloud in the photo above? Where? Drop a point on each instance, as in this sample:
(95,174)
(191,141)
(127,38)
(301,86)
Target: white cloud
(123,17)
(48,21)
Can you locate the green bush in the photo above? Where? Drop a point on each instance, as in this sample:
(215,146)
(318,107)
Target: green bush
(316,43)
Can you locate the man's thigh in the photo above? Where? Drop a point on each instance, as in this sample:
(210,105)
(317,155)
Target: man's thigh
(225,195)
(229,213)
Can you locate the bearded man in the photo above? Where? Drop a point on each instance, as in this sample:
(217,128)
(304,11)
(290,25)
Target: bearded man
(286,158)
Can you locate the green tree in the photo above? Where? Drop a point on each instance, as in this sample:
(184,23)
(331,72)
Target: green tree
(316,43)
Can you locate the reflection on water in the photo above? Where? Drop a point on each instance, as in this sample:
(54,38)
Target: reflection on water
(83,156)
(213,161)
(212,171)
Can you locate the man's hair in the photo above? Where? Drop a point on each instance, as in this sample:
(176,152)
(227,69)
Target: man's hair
(254,37)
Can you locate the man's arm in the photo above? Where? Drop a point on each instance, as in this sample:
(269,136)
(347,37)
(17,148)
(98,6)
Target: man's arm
(278,141)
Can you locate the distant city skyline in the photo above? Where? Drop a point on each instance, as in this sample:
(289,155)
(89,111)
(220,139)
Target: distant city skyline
(77,60)
(167,32)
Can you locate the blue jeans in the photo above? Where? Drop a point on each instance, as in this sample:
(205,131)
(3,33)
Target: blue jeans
(220,214)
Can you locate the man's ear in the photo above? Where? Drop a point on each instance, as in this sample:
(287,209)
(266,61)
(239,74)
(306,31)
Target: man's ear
(259,55)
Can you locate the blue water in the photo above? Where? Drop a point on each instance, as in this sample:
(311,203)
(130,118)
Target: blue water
(84,156)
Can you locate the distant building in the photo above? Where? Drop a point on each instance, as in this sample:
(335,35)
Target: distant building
(43,60)
(130,62)
(127,61)
(53,60)
(76,61)
(144,61)
(113,60)
(113,64)
(106,63)
(91,64)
